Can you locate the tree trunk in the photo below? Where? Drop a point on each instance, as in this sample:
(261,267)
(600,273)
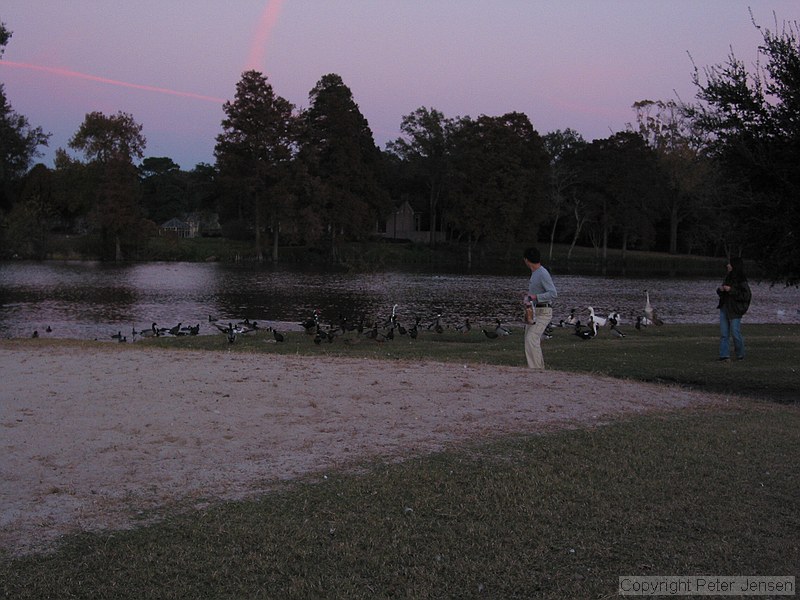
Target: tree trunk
(432,202)
(552,238)
(259,254)
(624,251)
(673,229)
(578,226)
(605,237)
(334,254)
(117,248)
(276,227)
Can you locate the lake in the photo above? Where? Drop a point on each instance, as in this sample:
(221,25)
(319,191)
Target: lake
(92,300)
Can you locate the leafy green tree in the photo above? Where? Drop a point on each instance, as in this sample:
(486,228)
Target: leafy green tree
(499,180)
(33,216)
(110,144)
(633,183)
(424,149)
(164,189)
(561,147)
(750,118)
(5,35)
(203,189)
(104,139)
(616,193)
(669,131)
(73,191)
(346,196)
(254,153)
(19,142)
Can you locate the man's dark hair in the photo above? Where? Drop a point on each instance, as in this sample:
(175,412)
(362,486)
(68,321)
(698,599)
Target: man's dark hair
(533,255)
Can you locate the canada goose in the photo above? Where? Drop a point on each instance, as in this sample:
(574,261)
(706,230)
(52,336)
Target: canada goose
(586,334)
(492,335)
(153,331)
(464,327)
(500,330)
(414,331)
(436,324)
(310,324)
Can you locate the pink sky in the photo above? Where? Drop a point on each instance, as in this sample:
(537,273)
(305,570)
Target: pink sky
(578,64)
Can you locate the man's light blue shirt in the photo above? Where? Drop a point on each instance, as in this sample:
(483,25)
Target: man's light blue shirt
(541,285)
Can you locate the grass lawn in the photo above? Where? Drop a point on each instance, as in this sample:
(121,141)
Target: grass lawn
(680,354)
(560,515)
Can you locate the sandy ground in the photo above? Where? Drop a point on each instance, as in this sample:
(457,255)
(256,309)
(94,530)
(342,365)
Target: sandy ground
(105,438)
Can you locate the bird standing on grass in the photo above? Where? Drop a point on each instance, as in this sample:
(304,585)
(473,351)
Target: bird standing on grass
(614,320)
(649,313)
(436,324)
(499,329)
(570,320)
(593,318)
(310,325)
(586,334)
(464,327)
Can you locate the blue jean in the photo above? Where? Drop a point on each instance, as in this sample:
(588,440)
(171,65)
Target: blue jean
(730,328)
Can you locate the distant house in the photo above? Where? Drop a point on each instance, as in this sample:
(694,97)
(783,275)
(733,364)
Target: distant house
(406,224)
(195,225)
(175,228)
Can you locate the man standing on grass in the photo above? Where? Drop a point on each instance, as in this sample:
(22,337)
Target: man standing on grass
(539,307)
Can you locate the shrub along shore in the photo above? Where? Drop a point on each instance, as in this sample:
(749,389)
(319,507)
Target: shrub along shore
(382,254)
(559,515)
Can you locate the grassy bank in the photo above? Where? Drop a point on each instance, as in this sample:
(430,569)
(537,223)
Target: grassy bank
(560,515)
(680,354)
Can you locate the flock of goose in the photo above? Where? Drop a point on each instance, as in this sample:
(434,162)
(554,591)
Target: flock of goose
(590,329)
(387,329)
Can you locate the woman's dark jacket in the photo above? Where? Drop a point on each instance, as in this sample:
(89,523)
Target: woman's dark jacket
(737,301)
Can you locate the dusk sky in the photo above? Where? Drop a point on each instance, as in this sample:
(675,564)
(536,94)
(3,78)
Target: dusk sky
(569,63)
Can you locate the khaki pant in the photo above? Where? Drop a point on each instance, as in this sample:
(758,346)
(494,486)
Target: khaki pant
(533,338)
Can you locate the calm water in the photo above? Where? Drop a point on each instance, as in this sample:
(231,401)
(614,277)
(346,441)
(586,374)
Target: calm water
(87,300)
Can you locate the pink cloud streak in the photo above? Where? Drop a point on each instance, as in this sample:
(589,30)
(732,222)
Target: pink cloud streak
(87,77)
(266,23)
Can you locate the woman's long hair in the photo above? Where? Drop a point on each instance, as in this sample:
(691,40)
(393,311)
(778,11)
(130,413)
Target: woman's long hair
(737,269)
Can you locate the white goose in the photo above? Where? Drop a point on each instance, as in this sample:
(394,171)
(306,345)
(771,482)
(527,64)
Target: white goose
(649,313)
(601,322)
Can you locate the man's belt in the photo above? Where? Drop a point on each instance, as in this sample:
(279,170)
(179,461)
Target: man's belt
(543,305)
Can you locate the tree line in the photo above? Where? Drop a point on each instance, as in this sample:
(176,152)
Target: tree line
(717,176)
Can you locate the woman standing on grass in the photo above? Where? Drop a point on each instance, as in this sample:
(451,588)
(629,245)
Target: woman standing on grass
(734,300)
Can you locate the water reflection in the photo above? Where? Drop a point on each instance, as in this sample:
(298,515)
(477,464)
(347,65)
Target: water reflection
(95,300)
